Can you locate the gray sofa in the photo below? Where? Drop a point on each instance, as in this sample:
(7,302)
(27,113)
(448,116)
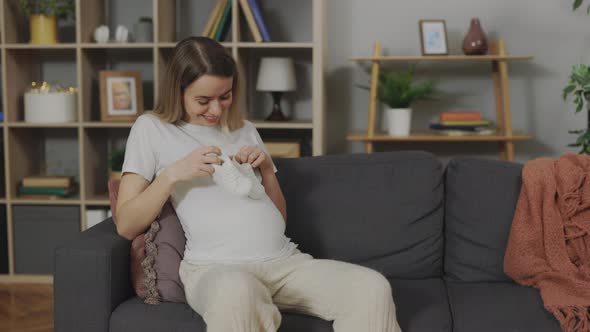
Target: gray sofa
(437,233)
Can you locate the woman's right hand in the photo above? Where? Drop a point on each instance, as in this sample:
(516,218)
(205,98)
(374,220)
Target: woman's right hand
(195,164)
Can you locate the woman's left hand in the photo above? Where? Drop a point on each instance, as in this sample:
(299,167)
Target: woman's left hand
(254,156)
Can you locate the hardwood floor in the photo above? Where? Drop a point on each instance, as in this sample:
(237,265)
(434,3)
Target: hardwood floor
(26,307)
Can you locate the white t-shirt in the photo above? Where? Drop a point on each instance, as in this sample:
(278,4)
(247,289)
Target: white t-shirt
(219,226)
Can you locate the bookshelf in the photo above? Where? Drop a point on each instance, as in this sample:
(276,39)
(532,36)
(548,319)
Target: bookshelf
(497,57)
(297,29)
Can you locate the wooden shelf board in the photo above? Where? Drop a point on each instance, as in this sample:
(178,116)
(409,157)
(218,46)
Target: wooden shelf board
(42,125)
(58,201)
(102,200)
(98,124)
(274,45)
(116,45)
(442,58)
(293,124)
(27,46)
(27,278)
(173,44)
(434,137)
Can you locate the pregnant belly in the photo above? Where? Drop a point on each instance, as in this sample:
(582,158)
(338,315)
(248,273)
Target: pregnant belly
(243,228)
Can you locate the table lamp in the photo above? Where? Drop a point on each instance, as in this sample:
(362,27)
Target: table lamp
(276,75)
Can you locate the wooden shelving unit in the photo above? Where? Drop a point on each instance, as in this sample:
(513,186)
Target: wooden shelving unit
(22,63)
(504,135)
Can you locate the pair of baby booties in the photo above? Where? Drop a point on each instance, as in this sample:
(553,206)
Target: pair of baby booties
(237,178)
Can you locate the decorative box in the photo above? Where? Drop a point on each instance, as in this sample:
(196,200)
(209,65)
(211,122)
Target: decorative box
(45,107)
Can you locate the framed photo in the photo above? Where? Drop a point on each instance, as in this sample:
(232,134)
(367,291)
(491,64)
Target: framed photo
(121,95)
(433,37)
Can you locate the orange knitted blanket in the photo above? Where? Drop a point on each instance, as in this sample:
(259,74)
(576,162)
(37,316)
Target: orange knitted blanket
(549,244)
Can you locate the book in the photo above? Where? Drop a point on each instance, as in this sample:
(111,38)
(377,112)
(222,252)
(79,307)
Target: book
(225,31)
(218,19)
(259,21)
(250,20)
(212,17)
(460,116)
(45,197)
(283,149)
(62,192)
(211,20)
(454,132)
(438,126)
(48,181)
(465,123)
(224,22)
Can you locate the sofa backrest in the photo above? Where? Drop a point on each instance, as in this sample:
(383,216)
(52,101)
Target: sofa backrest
(382,210)
(480,200)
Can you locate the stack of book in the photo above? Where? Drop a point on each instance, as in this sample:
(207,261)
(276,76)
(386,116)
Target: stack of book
(219,20)
(462,123)
(47,187)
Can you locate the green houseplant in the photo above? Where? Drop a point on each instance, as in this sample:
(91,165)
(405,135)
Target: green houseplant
(398,90)
(43,16)
(115,162)
(578,87)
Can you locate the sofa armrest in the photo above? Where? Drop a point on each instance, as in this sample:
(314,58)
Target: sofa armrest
(92,277)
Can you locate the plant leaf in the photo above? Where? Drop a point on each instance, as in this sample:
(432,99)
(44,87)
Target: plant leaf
(568,89)
(398,90)
(577,4)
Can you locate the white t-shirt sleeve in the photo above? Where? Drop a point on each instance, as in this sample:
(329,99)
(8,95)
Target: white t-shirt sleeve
(260,143)
(140,152)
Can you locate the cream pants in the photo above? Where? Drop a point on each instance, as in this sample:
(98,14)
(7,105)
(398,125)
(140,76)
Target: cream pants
(247,297)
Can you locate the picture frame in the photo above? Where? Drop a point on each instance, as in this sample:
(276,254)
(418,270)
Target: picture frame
(433,37)
(121,95)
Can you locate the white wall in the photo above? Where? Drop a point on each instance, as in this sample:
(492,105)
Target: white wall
(547,29)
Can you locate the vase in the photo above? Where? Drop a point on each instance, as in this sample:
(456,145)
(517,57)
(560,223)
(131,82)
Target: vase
(143,32)
(43,29)
(399,121)
(475,41)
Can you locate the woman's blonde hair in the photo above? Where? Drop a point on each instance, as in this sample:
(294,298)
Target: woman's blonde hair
(192,58)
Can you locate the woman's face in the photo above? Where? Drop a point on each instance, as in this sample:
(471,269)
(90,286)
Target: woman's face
(121,96)
(206,99)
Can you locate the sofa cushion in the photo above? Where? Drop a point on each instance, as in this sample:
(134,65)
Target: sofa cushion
(498,307)
(382,210)
(422,305)
(134,315)
(480,200)
(156,255)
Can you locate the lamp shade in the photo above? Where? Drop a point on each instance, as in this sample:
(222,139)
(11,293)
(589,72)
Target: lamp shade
(276,74)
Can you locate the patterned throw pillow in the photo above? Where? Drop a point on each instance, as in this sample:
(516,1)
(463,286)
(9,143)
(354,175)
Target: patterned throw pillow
(156,255)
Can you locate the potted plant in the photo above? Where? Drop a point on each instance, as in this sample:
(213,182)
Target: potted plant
(398,91)
(116,159)
(43,16)
(578,87)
